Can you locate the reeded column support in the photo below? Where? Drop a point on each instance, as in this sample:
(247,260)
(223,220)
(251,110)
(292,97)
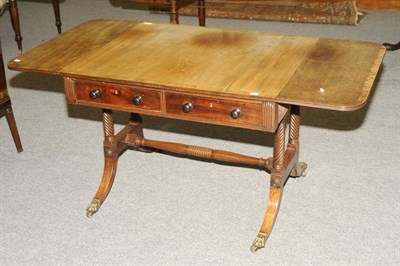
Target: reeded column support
(113,146)
(110,164)
(276,186)
(294,129)
(285,163)
(299,169)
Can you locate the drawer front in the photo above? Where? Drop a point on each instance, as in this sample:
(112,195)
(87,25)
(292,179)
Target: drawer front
(100,94)
(214,109)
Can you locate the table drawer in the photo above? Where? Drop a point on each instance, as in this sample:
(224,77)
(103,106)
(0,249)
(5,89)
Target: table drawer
(115,95)
(214,109)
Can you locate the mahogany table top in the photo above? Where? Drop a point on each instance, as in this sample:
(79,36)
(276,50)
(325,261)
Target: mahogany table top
(299,70)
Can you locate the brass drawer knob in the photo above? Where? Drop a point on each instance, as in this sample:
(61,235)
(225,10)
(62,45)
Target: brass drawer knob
(187,107)
(94,94)
(137,100)
(235,113)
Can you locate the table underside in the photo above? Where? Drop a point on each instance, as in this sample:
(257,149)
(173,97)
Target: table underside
(258,115)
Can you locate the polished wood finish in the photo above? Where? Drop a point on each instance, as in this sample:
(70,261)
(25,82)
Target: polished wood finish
(5,105)
(211,108)
(16,25)
(379,4)
(257,115)
(110,164)
(117,96)
(197,151)
(299,70)
(224,77)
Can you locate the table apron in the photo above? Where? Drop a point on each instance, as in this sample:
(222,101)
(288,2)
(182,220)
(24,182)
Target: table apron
(257,114)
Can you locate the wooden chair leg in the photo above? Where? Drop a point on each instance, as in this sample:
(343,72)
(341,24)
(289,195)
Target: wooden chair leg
(201,12)
(173,9)
(13,128)
(5,104)
(15,23)
(56,7)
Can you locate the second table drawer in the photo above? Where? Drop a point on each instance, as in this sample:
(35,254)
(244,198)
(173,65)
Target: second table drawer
(214,109)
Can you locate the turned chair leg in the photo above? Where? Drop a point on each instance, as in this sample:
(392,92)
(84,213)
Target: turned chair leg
(15,23)
(173,12)
(174,17)
(56,7)
(202,12)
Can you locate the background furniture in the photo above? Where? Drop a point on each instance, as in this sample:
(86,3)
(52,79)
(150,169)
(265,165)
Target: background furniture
(173,9)
(310,11)
(13,7)
(5,105)
(382,5)
(392,47)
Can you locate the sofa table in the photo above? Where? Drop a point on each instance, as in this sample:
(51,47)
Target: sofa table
(209,75)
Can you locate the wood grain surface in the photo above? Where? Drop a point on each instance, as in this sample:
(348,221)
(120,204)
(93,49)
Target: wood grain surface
(379,4)
(299,70)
